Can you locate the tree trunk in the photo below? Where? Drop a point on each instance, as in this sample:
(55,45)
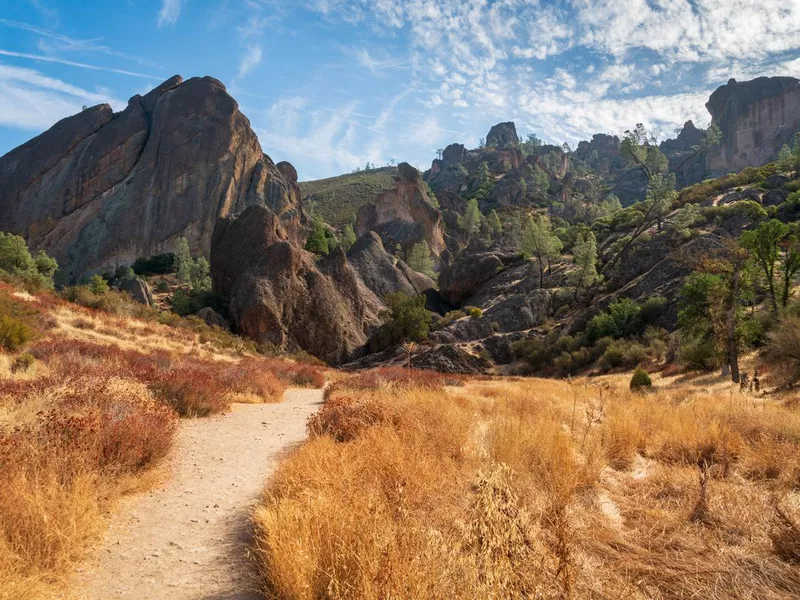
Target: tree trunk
(730,325)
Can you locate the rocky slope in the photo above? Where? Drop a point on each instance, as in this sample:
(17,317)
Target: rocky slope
(100,189)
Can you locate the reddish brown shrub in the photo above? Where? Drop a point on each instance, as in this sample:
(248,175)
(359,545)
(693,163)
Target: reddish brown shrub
(394,377)
(309,377)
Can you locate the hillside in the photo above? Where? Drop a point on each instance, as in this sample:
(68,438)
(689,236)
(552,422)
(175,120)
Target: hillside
(337,199)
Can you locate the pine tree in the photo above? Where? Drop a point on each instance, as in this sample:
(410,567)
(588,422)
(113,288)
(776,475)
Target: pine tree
(786,159)
(585,253)
(317,242)
(470,222)
(538,241)
(494,223)
(420,259)
(348,237)
(183,262)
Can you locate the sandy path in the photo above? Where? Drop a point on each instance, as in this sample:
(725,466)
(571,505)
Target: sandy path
(187,537)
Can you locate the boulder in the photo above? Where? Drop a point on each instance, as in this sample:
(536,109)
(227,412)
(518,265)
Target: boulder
(774,197)
(137,289)
(383,273)
(467,329)
(464,277)
(99,189)
(775,181)
(404,215)
(213,318)
(279,294)
(520,312)
(502,135)
(450,359)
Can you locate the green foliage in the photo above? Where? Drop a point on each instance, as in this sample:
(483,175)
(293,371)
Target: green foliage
(622,319)
(192,272)
(474,311)
(406,319)
(743,208)
(641,380)
(420,259)
(541,181)
(470,221)
(317,240)
(774,246)
(348,237)
(494,223)
(700,192)
(14,332)
(539,241)
(19,267)
(160,264)
(653,308)
(98,285)
(585,253)
(698,353)
(23,362)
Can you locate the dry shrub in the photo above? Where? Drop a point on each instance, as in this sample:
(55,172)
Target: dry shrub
(344,418)
(309,377)
(60,467)
(786,536)
(394,378)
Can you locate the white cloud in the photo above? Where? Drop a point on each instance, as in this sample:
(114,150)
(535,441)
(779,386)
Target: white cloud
(31,100)
(72,63)
(250,60)
(170,12)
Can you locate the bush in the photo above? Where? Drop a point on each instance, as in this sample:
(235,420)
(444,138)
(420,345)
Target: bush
(640,380)
(408,319)
(160,264)
(98,285)
(621,319)
(449,317)
(344,418)
(13,333)
(698,353)
(623,353)
(19,267)
(474,311)
(22,363)
(653,308)
(783,349)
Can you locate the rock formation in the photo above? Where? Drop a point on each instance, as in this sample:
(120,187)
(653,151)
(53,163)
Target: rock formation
(278,294)
(404,215)
(502,135)
(99,189)
(383,273)
(756,118)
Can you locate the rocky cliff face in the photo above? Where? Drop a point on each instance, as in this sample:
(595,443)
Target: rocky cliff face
(404,215)
(278,294)
(756,118)
(100,189)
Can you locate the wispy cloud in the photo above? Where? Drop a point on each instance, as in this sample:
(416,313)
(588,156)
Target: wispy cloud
(250,59)
(31,100)
(63,43)
(376,65)
(170,12)
(71,63)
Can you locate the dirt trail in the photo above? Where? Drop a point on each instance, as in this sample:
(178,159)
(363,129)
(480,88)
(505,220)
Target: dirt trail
(186,539)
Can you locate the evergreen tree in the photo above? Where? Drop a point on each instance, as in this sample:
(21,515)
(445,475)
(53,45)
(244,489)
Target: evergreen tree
(420,259)
(585,254)
(470,222)
(539,241)
(541,181)
(494,223)
(183,262)
(348,237)
(317,241)
(786,159)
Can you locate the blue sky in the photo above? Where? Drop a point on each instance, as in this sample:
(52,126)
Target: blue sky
(332,84)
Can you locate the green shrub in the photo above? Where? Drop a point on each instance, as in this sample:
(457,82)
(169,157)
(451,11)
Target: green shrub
(653,308)
(13,333)
(698,353)
(22,363)
(407,319)
(474,311)
(621,319)
(623,353)
(98,285)
(160,264)
(17,266)
(641,380)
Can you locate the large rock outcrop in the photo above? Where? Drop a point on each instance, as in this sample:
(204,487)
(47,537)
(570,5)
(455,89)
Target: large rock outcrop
(756,118)
(383,273)
(404,215)
(100,189)
(502,135)
(279,294)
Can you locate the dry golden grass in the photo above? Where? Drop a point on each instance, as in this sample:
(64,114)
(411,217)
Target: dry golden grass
(536,488)
(88,416)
